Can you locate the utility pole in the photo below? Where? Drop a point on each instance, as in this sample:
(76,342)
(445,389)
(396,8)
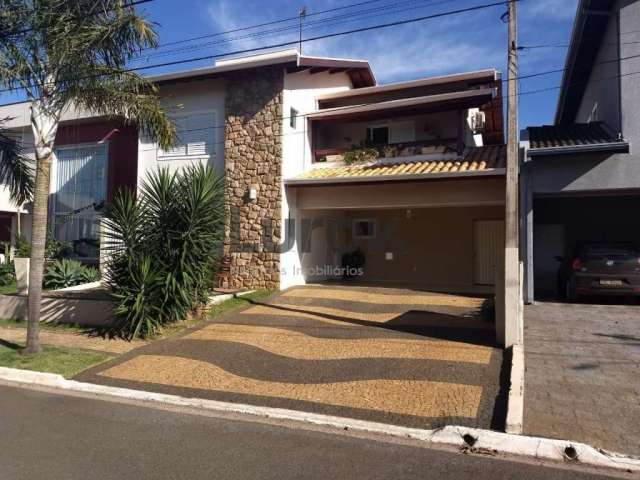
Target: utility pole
(303,15)
(512,305)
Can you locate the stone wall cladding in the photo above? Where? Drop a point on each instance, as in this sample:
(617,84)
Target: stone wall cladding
(253,159)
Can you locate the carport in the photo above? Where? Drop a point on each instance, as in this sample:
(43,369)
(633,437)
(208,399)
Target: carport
(579,184)
(437,230)
(562,222)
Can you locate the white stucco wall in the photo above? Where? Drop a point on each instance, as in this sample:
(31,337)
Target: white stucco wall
(300,92)
(184,99)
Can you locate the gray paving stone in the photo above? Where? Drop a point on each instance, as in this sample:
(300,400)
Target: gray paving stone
(582,378)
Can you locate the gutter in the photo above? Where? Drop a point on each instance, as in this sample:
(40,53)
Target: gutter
(619,147)
(496,172)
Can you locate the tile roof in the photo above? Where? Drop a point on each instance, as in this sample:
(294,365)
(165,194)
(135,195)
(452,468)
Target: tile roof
(478,160)
(569,135)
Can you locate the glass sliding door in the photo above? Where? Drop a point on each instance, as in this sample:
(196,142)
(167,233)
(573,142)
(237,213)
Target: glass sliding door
(80,187)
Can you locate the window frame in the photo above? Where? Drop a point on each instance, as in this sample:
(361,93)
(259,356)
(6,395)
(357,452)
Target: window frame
(165,156)
(95,215)
(374,228)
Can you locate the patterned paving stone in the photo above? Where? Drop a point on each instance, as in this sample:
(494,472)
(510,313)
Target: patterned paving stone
(390,355)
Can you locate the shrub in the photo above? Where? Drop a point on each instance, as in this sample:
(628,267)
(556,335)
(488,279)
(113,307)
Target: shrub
(162,248)
(56,249)
(90,274)
(488,310)
(7,274)
(62,274)
(68,273)
(23,247)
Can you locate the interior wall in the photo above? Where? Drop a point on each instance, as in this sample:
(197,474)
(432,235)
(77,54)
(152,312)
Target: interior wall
(431,246)
(442,125)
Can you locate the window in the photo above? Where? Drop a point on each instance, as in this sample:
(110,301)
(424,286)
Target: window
(364,229)
(378,135)
(80,186)
(293,118)
(196,136)
(395,132)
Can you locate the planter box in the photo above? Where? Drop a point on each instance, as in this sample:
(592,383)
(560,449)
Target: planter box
(22,273)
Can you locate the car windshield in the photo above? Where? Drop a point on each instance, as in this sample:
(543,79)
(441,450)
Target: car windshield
(609,250)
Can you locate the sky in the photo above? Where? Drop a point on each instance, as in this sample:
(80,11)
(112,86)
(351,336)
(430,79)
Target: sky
(452,44)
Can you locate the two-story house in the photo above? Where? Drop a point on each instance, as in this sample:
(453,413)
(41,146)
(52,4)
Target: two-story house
(319,161)
(581,176)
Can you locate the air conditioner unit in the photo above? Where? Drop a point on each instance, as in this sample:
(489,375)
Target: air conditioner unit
(478,122)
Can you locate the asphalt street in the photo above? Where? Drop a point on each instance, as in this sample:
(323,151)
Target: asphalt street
(53,436)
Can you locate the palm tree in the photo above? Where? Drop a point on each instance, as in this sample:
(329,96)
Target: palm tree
(74,54)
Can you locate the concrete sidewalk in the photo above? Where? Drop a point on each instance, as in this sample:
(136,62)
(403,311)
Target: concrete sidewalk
(395,356)
(582,378)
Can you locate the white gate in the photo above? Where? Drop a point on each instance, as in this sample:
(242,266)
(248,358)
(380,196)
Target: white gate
(488,245)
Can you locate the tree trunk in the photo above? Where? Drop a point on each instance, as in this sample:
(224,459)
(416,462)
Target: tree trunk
(44,125)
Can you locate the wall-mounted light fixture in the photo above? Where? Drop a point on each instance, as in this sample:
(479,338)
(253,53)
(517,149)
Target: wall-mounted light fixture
(253,193)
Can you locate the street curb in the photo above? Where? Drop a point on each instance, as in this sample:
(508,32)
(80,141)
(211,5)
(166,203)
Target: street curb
(469,439)
(515,406)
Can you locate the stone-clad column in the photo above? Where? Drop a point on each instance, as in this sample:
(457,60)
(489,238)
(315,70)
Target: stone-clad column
(253,160)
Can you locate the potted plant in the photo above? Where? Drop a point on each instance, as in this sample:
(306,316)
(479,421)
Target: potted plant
(353,263)
(21,263)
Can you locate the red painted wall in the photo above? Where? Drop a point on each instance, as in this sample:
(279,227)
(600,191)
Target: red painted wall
(123,149)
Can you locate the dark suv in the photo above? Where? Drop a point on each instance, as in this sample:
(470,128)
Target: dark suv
(601,268)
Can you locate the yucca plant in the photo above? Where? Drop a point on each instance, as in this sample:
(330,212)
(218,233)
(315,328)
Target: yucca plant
(162,247)
(62,274)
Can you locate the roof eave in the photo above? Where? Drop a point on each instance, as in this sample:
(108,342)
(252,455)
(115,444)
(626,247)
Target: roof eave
(578,27)
(491,74)
(481,95)
(615,147)
(495,172)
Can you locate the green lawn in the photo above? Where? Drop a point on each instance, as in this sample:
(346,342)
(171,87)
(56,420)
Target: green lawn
(239,302)
(215,311)
(53,327)
(8,289)
(64,361)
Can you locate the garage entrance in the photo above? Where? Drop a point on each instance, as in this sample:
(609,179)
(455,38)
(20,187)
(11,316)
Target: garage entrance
(454,249)
(562,223)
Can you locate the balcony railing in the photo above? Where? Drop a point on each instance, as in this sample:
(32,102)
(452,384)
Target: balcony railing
(399,150)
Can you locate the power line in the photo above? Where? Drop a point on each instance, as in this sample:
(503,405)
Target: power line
(311,39)
(330,21)
(266,24)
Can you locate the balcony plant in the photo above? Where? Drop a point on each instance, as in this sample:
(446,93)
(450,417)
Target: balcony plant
(360,154)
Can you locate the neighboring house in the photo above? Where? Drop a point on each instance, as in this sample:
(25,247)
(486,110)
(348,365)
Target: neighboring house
(580,179)
(278,126)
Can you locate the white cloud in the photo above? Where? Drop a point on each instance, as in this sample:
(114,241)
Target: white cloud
(549,9)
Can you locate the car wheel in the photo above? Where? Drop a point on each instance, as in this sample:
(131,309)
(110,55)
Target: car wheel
(570,292)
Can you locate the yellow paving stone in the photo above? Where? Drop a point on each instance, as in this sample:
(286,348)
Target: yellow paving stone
(406,397)
(304,347)
(384,299)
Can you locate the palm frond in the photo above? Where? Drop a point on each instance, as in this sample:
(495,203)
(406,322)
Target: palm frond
(16,170)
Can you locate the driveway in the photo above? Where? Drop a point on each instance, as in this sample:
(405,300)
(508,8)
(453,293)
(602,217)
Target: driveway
(582,379)
(390,355)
